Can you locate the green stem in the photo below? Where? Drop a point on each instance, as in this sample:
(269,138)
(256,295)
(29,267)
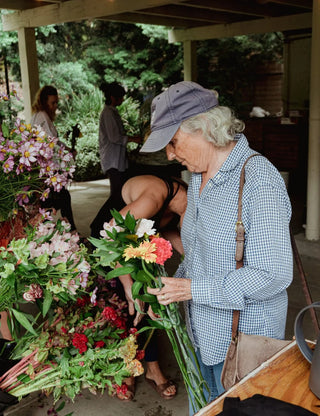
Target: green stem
(148,339)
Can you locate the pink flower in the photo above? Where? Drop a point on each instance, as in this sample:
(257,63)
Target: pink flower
(28,154)
(34,292)
(93,298)
(8,164)
(163,249)
(23,198)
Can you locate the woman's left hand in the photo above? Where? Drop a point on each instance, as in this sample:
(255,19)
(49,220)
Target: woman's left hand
(173,290)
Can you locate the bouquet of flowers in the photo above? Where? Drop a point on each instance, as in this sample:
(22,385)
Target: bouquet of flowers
(132,247)
(46,266)
(31,164)
(85,346)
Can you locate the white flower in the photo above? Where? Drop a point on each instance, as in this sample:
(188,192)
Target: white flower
(144,226)
(109,227)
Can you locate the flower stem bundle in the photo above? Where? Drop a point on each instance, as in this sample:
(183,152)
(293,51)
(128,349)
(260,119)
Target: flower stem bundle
(132,247)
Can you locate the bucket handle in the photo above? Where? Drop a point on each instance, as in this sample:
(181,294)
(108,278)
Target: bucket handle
(298,332)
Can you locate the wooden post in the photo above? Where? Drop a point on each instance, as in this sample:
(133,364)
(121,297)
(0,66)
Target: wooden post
(29,68)
(190,60)
(313,187)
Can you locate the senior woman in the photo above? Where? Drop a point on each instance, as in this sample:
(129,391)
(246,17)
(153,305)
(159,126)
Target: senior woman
(208,140)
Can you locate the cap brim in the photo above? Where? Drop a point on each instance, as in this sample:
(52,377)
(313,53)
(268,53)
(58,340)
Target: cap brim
(159,139)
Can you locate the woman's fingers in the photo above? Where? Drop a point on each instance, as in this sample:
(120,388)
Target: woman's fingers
(173,290)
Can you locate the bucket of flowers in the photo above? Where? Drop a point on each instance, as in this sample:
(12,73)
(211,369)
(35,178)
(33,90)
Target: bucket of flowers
(131,246)
(84,345)
(46,267)
(31,164)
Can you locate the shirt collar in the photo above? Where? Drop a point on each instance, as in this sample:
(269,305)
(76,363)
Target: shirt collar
(238,153)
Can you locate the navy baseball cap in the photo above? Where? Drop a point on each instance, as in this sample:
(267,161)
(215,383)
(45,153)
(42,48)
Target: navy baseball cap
(176,104)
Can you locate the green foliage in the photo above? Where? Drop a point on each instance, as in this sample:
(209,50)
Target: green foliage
(230,65)
(135,121)
(69,78)
(85,110)
(140,58)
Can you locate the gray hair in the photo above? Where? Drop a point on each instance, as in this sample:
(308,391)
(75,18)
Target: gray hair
(218,125)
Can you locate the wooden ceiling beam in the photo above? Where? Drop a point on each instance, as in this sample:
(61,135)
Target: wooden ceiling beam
(72,11)
(267,9)
(274,24)
(192,13)
(154,20)
(20,4)
(307,4)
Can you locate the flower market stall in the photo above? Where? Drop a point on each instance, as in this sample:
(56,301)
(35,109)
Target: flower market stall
(79,336)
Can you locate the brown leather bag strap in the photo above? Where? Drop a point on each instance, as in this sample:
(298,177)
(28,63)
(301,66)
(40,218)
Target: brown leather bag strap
(239,225)
(239,258)
(239,241)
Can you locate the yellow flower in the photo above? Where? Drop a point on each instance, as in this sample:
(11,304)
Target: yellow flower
(145,251)
(130,253)
(135,368)
(129,350)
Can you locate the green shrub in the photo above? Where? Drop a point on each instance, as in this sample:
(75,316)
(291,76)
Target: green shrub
(84,110)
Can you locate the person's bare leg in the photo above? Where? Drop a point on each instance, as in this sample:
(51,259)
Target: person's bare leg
(155,374)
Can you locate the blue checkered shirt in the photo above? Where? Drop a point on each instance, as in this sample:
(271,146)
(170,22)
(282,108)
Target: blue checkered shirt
(258,289)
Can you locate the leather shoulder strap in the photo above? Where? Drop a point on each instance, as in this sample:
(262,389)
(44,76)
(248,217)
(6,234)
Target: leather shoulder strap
(239,225)
(240,237)
(240,241)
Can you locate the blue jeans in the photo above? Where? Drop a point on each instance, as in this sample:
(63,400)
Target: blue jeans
(212,375)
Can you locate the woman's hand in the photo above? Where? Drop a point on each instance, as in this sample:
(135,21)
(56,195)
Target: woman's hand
(127,283)
(174,290)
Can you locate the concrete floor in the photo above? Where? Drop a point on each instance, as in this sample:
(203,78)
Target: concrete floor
(87,197)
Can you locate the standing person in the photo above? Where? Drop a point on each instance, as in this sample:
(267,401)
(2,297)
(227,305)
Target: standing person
(208,140)
(113,153)
(163,200)
(44,112)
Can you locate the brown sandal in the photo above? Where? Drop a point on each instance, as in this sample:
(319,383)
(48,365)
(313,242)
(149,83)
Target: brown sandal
(161,388)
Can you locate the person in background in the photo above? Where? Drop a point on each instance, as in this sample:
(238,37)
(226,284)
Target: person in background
(208,140)
(113,150)
(162,200)
(44,110)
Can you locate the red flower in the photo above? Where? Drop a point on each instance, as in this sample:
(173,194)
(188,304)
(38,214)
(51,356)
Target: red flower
(80,341)
(120,323)
(122,389)
(99,344)
(63,329)
(109,314)
(163,249)
(140,355)
(133,331)
(85,300)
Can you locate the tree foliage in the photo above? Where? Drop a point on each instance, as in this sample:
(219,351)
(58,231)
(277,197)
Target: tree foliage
(77,57)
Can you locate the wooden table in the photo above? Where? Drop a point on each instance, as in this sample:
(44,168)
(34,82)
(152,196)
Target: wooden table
(285,376)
